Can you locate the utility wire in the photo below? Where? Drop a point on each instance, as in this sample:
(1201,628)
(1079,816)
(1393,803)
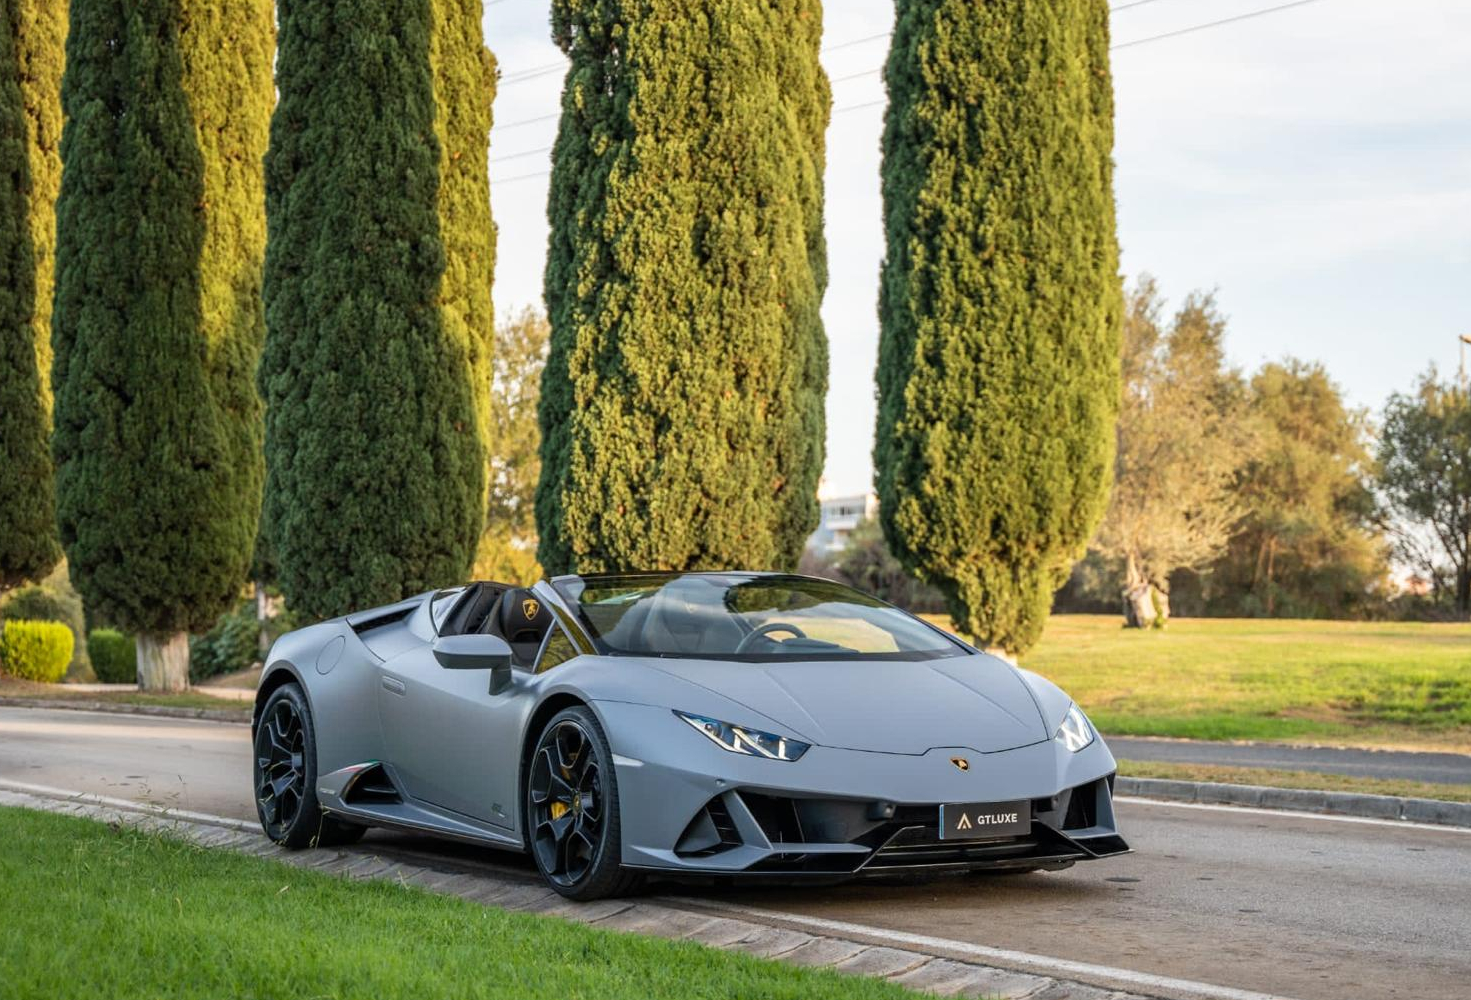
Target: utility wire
(1249,15)
(537,71)
(528,121)
(521,155)
(1213,24)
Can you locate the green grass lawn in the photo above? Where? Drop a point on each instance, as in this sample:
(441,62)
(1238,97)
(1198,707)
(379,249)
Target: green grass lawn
(1311,780)
(1355,683)
(94,911)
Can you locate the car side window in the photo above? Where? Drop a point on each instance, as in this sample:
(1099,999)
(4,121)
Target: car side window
(557,650)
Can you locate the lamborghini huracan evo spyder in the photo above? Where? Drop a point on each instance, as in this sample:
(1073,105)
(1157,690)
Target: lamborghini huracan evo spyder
(681,724)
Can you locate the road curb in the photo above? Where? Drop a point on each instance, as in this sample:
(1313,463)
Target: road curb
(1389,807)
(922,964)
(123,708)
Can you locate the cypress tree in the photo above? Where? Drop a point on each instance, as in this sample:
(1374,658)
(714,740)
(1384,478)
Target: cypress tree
(681,405)
(1000,302)
(375,342)
(40,54)
(28,545)
(32,35)
(156,322)
(464,89)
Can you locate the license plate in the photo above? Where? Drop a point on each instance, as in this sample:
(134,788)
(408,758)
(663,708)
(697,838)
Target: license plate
(985,820)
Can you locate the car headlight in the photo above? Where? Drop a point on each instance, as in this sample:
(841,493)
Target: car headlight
(1074,733)
(739,739)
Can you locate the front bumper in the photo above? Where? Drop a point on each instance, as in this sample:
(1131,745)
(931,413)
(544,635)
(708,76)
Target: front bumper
(687,806)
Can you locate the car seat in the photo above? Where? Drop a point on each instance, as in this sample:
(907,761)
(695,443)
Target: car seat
(524,622)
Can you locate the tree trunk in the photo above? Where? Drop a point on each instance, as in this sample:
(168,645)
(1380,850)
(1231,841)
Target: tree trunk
(1271,585)
(163,662)
(1141,609)
(1463,590)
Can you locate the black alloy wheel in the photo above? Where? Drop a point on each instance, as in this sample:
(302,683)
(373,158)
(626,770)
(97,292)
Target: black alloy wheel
(572,809)
(280,767)
(285,776)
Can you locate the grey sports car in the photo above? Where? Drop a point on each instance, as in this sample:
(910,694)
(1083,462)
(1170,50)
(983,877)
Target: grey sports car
(726,725)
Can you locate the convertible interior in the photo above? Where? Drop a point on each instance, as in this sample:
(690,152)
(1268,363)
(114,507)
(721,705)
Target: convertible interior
(513,613)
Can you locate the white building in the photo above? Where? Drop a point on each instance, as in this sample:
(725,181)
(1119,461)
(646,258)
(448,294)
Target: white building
(839,516)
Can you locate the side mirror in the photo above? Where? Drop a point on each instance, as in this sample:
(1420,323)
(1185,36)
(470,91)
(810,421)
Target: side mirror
(476,652)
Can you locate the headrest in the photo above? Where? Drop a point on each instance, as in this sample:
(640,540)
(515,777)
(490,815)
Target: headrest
(523,616)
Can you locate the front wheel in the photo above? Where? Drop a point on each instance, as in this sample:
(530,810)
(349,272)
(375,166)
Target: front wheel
(572,809)
(285,773)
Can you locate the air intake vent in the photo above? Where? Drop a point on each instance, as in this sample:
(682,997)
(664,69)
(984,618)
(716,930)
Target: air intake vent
(710,832)
(372,787)
(1082,807)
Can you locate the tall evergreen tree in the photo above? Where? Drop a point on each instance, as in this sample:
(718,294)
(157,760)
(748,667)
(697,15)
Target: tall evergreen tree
(1000,302)
(28,545)
(40,55)
(156,327)
(377,300)
(32,36)
(464,74)
(681,406)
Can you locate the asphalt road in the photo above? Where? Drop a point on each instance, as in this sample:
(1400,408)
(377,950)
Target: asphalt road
(1305,907)
(1445,768)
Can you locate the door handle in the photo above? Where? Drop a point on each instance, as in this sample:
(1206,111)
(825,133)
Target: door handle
(394,684)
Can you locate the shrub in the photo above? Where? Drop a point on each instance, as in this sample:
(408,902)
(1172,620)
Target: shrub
(36,651)
(53,601)
(231,646)
(114,656)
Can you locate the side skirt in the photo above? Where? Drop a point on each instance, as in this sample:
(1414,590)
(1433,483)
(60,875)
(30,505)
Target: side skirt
(339,794)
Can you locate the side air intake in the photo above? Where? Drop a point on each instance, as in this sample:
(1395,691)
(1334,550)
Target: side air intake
(372,787)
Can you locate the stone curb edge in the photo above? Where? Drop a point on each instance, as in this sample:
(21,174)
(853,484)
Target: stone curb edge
(124,708)
(913,969)
(1387,807)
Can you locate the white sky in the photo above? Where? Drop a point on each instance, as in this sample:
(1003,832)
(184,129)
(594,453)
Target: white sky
(1312,165)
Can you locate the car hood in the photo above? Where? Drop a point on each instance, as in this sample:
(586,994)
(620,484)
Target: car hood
(904,707)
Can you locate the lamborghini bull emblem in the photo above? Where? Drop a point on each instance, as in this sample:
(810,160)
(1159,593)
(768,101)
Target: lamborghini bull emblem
(961,763)
(529,608)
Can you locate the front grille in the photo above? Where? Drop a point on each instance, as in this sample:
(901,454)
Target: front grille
(897,837)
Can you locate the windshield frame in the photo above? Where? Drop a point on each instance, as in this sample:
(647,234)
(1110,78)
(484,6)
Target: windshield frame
(563,586)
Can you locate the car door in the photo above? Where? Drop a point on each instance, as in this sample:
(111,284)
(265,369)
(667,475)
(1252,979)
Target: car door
(451,742)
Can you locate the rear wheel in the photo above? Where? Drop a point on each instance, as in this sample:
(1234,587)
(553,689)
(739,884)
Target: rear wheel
(572,809)
(285,773)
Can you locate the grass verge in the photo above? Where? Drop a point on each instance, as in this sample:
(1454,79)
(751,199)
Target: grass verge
(1379,684)
(1310,780)
(11,687)
(94,910)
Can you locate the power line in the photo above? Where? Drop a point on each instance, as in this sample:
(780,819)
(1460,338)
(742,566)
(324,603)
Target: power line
(534,72)
(1127,6)
(855,76)
(870,72)
(521,155)
(1213,24)
(528,121)
(858,41)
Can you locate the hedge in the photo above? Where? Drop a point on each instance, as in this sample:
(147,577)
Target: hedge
(114,656)
(231,646)
(36,651)
(53,601)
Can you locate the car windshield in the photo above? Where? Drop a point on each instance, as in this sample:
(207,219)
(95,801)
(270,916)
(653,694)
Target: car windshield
(750,617)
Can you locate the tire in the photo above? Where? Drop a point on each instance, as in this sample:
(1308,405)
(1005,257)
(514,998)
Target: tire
(573,827)
(284,777)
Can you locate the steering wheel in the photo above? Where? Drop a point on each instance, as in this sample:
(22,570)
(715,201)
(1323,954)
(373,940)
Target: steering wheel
(767,629)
